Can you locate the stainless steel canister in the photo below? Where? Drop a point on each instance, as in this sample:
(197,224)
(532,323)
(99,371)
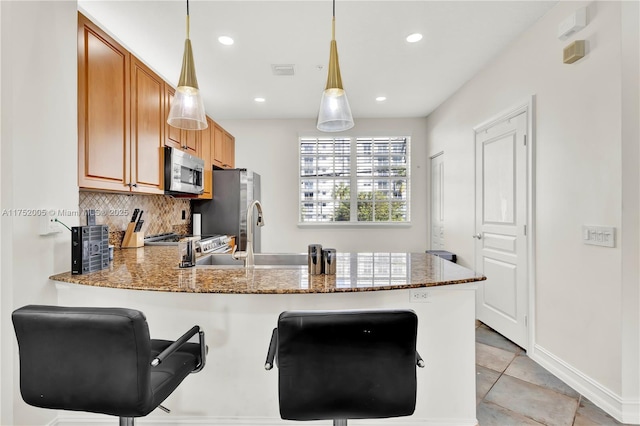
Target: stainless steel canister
(329,261)
(315,259)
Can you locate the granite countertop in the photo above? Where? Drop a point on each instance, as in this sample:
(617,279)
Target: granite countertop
(156,269)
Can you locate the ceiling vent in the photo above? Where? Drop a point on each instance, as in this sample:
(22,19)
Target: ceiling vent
(282,69)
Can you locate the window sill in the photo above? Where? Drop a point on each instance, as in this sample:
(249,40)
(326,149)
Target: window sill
(354,225)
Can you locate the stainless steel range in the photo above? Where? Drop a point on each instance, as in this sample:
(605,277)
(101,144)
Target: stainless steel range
(204,243)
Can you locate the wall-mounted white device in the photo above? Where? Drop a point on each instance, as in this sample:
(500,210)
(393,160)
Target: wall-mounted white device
(572,24)
(599,235)
(49,225)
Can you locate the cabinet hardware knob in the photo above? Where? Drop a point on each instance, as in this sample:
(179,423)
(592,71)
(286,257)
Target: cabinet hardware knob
(135,185)
(478,236)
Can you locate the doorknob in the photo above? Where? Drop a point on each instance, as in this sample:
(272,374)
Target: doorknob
(478,236)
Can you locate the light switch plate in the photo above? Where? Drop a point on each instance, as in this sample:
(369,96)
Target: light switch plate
(604,236)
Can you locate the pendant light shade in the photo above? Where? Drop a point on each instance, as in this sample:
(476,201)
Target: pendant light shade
(334,114)
(187,108)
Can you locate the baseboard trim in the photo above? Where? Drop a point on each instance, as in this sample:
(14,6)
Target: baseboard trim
(170,420)
(623,410)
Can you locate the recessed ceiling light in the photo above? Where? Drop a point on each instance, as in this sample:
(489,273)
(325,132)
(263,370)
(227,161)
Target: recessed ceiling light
(415,37)
(226,40)
(259,99)
(381,98)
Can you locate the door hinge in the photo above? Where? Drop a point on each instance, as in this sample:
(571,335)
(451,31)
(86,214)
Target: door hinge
(526,321)
(525,140)
(525,230)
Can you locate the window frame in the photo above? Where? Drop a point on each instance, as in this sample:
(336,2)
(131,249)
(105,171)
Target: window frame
(353,181)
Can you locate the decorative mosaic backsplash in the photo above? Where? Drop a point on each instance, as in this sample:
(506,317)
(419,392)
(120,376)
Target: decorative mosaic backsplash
(161,213)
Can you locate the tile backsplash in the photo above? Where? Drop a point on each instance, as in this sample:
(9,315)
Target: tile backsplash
(161,213)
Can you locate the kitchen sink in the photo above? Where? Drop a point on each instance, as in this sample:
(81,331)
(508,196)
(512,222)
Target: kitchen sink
(261,261)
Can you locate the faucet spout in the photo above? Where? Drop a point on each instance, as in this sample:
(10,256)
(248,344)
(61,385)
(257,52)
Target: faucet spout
(247,255)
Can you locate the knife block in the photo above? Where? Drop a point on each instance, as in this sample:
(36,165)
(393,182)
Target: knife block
(132,239)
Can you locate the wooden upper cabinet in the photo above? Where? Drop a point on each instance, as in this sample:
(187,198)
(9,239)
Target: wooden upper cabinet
(147,129)
(173,135)
(229,151)
(223,148)
(192,141)
(120,117)
(103,110)
(122,121)
(218,142)
(206,149)
(185,140)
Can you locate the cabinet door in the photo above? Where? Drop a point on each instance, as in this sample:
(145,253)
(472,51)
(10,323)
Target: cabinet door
(191,139)
(185,140)
(218,142)
(173,135)
(229,151)
(147,129)
(103,110)
(206,145)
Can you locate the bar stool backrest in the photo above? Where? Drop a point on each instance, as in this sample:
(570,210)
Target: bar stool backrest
(346,364)
(65,352)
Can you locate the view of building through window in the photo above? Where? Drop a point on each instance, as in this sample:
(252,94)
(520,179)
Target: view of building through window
(363,179)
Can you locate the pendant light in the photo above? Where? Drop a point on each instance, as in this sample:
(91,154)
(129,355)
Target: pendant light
(335,113)
(187,108)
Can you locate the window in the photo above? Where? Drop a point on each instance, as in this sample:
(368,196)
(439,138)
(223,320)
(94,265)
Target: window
(354,180)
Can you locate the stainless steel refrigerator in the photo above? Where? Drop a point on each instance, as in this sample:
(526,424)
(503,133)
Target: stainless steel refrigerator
(226,213)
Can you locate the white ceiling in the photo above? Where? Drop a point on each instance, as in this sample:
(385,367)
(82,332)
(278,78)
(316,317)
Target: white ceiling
(460,38)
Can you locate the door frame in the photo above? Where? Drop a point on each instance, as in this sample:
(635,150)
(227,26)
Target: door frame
(430,195)
(526,106)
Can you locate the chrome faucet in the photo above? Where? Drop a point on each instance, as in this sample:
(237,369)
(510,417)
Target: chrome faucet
(247,255)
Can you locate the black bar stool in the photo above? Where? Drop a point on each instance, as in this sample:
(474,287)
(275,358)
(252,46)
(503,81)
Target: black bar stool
(100,360)
(345,364)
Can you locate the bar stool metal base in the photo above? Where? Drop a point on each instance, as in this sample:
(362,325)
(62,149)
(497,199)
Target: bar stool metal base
(127,421)
(339,422)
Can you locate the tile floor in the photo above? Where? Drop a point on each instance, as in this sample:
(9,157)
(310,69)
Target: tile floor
(513,390)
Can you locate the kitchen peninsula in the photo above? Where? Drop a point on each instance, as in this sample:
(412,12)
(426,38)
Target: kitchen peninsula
(238,308)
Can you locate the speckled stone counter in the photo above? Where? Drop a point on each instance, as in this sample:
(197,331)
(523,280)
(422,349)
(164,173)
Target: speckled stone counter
(155,269)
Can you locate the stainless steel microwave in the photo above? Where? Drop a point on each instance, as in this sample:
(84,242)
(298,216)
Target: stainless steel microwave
(183,172)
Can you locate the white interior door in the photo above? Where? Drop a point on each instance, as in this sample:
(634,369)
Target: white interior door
(501,220)
(437,202)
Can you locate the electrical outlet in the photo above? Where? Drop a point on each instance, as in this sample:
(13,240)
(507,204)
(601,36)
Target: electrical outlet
(420,295)
(49,225)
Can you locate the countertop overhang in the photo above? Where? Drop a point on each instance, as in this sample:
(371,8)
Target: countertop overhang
(156,269)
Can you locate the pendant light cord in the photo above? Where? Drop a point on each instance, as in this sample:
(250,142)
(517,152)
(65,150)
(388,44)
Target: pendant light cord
(187,19)
(333,22)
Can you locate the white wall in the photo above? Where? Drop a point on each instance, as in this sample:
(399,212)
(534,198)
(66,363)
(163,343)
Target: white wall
(270,148)
(631,202)
(579,177)
(39,168)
